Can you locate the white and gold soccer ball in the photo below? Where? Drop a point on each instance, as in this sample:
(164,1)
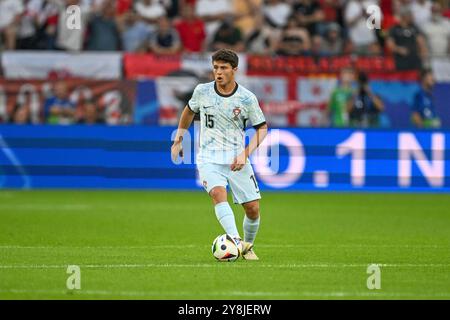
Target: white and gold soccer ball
(225,248)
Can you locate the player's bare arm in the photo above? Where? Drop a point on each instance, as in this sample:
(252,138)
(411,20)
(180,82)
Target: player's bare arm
(257,139)
(185,122)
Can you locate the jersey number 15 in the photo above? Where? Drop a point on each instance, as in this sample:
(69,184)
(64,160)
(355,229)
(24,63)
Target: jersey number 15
(209,120)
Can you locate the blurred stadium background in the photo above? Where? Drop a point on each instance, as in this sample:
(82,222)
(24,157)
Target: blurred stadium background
(132,66)
(95,108)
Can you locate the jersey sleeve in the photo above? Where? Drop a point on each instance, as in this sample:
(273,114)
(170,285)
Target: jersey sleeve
(255,113)
(194,103)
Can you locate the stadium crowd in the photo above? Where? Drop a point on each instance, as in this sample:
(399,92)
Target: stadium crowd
(410,30)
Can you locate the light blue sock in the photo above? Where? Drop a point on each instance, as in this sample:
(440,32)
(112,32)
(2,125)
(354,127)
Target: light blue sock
(225,215)
(250,229)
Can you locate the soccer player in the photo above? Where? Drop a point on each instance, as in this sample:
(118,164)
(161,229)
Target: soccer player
(225,108)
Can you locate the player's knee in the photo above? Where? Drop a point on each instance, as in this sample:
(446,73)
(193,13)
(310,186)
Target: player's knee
(252,211)
(218,194)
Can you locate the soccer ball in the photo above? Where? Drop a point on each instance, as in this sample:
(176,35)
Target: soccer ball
(225,248)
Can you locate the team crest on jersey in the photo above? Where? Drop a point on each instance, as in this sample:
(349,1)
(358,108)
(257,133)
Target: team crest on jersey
(236,112)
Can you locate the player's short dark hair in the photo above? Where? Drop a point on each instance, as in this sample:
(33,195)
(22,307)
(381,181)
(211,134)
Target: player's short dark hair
(226,55)
(424,72)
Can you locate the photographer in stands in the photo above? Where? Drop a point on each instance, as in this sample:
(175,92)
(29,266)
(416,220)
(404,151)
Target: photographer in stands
(367,106)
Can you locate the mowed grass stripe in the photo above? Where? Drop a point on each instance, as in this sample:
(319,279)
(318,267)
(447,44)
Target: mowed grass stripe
(155,244)
(256,294)
(245,265)
(184,246)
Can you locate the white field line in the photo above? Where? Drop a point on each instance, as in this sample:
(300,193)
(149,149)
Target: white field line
(162,246)
(217,265)
(76,206)
(169,246)
(46,207)
(142,294)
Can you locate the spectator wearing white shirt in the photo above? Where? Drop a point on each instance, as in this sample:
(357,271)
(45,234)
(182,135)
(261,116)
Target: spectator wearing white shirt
(421,12)
(277,13)
(71,39)
(10,13)
(150,10)
(437,32)
(213,12)
(363,39)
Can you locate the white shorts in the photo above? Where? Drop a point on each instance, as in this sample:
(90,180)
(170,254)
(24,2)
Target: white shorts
(243,184)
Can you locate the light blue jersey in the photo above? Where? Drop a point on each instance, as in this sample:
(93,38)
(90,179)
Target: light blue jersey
(223,120)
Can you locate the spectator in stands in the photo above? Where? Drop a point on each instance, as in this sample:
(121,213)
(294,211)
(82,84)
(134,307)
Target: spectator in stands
(262,40)
(316,50)
(421,12)
(27,109)
(398,5)
(58,109)
(29,24)
(10,14)
(366,106)
(332,13)
(134,32)
(388,8)
(332,44)
(341,100)
(166,39)
(294,40)
(363,39)
(437,32)
(446,12)
(407,43)
(213,12)
(90,114)
(423,110)
(102,29)
(247,12)
(277,13)
(191,30)
(71,39)
(47,20)
(150,10)
(228,36)
(173,8)
(20,114)
(123,6)
(28,104)
(308,14)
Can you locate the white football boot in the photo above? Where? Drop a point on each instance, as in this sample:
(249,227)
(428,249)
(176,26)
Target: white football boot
(250,255)
(246,249)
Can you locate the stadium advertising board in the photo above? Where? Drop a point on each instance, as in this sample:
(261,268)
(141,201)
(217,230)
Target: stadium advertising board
(138,157)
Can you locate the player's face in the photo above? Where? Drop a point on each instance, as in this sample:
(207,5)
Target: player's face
(223,72)
(429,80)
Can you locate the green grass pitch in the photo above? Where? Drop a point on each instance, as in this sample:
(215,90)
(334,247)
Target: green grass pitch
(157,245)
